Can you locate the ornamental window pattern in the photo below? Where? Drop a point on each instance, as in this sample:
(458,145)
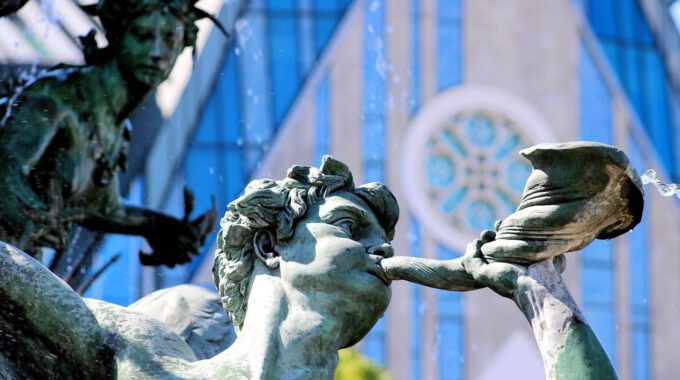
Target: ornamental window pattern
(473,173)
(461,166)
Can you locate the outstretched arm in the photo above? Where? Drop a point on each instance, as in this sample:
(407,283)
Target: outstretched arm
(569,348)
(172,240)
(440,274)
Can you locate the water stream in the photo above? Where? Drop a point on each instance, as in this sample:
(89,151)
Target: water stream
(666,189)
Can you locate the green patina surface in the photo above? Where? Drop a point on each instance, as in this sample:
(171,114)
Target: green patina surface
(583,357)
(64,137)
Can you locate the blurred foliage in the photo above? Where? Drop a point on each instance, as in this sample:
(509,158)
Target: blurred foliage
(355,366)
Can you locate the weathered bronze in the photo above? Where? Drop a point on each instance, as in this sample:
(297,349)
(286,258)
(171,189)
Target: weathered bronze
(297,269)
(303,268)
(64,136)
(577,192)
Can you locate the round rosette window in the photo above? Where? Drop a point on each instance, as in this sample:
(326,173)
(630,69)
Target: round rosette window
(461,167)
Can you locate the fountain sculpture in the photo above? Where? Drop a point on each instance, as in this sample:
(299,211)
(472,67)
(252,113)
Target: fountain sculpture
(304,266)
(64,136)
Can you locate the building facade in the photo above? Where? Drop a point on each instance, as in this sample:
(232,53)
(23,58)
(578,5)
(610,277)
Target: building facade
(435,98)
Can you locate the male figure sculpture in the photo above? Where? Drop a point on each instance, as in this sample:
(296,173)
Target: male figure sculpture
(65,135)
(297,268)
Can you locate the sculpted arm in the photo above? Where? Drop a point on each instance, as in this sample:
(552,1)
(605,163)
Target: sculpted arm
(440,274)
(172,240)
(568,346)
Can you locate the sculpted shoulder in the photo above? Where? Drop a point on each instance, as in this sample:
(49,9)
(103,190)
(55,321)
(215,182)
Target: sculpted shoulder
(143,346)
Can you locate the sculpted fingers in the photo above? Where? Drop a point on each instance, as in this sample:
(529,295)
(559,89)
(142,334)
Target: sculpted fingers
(487,236)
(474,261)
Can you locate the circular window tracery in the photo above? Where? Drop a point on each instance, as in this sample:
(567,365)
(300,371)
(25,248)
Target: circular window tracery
(462,150)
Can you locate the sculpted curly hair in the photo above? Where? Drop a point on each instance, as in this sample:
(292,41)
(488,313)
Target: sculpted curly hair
(116,15)
(276,206)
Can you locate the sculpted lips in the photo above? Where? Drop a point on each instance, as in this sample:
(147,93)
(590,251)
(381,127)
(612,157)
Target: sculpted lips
(376,270)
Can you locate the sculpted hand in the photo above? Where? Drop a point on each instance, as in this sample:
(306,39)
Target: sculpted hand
(174,241)
(501,277)
(498,276)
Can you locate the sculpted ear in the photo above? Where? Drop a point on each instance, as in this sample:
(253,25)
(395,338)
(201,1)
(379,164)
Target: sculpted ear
(263,243)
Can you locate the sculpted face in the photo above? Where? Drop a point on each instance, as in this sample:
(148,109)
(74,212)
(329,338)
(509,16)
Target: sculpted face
(333,259)
(150,46)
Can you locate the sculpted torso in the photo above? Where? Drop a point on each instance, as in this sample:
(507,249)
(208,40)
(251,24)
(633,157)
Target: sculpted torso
(81,142)
(297,268)
(68,155)
(64,138)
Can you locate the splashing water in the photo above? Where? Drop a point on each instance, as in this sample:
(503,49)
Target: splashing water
(666,189)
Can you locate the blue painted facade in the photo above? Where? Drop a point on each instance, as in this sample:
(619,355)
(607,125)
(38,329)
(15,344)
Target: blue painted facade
(450,331)
(322,122)
(639,279)
(415,229)
(449,62)
(597,259)
(633,53)
(261,75)
(417,307)
(373,135)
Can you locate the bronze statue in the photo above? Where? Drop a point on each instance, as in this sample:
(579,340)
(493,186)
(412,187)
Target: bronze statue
(64,135)
(303,268)
(297,269)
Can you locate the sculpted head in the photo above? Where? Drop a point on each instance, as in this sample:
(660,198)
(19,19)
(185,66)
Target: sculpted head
(146,36)
(319,235)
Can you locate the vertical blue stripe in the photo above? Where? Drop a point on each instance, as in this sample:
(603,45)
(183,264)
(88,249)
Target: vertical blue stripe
(597,264)
(373,144)
(450,335)
(374,92)
(284,58)
(595,119)
(449,60)
(639,282)
(415,55)
(449,44)
(305,36)
(375,66)
(256,92)
(414,239)
(415,230)
(322,122)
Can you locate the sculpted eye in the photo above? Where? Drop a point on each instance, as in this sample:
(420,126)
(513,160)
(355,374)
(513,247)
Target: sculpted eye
(142,32)
(347,225)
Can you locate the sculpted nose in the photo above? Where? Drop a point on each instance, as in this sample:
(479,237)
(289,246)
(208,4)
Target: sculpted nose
(384,249)
(156,52)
